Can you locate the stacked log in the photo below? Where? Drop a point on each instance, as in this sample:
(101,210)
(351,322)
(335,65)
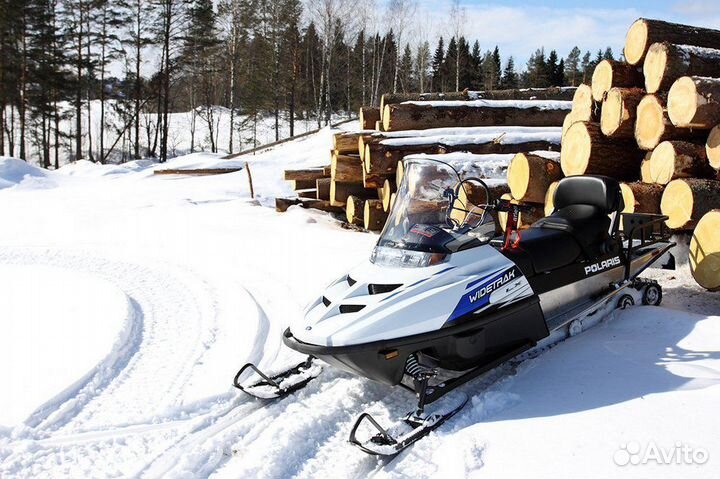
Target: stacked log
(678,159)
(666,62)
(693,102)
(641,197)
(644,32)
(368,118)
(614,74)
(705,251)
(529,176)
(619,108)
(686,200)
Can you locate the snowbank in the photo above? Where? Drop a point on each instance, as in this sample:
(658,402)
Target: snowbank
(14,172)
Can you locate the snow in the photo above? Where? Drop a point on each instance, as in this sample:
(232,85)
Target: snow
(500,136)
(539,104)
(212,277)
(465,131)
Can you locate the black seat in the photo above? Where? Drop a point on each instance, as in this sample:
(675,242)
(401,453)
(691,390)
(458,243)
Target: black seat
(579,225)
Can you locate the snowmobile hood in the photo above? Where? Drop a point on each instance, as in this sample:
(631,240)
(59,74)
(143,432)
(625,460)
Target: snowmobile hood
(375,302)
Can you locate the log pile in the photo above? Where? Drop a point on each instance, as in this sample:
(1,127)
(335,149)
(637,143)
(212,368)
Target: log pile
(653,122)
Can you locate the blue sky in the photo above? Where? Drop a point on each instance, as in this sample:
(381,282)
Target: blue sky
(519,27)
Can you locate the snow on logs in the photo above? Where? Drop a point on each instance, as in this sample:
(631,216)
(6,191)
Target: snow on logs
(438,114)
(644,32)
(704,254)
(586,151)
(666,62)
(686,200)
(693,102)
(612,74)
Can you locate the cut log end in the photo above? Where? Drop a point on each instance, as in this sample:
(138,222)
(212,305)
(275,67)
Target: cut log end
(712,147)
(374,216)
(650,122)
(529,176)
(686,200)
(583,105)
(636,42)
(704,254)
(602,80)
(678,159)
(355,210)
(550,198)
(654,66)
(641,197)
(575,153)
(612,112)
(682,102)
(662,163)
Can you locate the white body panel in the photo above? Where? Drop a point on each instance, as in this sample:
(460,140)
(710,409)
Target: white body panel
(424,301)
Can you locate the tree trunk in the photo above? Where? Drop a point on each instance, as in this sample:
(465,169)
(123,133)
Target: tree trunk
(355,210)
(644,32)
(704,254)
(679,159)
(374,216)
(368,117)
(685,201)
(586,151)
(339,192)
(408,116)
(529,177)
(641,197)
(712,148)
(584,107)
(693,102)
(619,109)
(322,186)
(666,62)
(614,73)
(346,168)
(653,126)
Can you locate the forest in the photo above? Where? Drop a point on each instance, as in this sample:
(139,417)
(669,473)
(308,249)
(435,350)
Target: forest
(98,80)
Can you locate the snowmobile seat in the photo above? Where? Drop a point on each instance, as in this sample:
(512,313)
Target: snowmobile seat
(546,250)
(582,208)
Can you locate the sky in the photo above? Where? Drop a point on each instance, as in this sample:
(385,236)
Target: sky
(519,27)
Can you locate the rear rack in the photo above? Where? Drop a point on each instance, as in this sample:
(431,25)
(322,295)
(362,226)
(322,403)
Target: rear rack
(642,230)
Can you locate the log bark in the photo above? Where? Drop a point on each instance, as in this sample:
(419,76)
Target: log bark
(653,125)
(383,159)
(322,185)
(385,192)
(374,180)
(704,254)
(712,148)
(645,175)
(617,119)
(304,174)
(347,142)
(586,151)
(525,218)
(346,168)
(529,177)
(666,62)
(409,116)
(302,184)
(686,200)
(644,32)
(679,159)
(339,192)
(550,198)
(551,93)
(355,210)
(614,74)
(641,197)
(369,116)
(497,147)
(374,216)
(584,107)
(693,102)
(282,204)
(310,193)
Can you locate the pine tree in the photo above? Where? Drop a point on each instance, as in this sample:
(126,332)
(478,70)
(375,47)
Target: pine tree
(510,78)
(586,68)
(476,71)
(437,65)
(406,76)
(572,66)
(449,65)
(608,55)
(554,70)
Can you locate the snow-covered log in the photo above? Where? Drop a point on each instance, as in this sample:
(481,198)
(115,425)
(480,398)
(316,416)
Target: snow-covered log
(644,32)
(693,102)
(666,62)
(434,114)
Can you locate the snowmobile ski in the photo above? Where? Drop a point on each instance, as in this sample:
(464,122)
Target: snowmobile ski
(407,431)
(281,384)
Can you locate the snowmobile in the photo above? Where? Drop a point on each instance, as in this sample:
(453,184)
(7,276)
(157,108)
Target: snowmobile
(446,296)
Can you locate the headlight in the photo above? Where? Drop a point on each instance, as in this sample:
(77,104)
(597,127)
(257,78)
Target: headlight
(403,258)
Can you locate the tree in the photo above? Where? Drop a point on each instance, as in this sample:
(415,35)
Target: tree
(510,77)
(554,70)
(449,65)
(422,65)
(586,67)
(406,75)
(437,66)
(457,21)
(608,55)
(475,66)
(492,69)
(572,66)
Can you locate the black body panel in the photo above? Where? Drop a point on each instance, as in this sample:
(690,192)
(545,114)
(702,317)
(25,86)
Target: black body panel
(471,343)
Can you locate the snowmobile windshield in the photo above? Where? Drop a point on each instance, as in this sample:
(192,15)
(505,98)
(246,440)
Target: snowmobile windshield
(436,211)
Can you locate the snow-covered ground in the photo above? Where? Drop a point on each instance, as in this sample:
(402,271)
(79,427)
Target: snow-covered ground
(128,301)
